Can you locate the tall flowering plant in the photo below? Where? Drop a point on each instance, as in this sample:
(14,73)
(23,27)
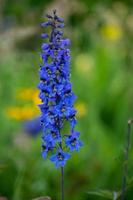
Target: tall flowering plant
(56,94)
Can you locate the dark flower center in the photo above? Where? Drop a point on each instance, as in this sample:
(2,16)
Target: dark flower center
(60,156)
(73,142)
(54,135)
(44,147)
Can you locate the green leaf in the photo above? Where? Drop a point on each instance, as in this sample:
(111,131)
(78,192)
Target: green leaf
(129,183)
(43,198)
(105,194)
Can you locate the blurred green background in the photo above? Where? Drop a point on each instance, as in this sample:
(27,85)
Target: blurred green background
(101,67)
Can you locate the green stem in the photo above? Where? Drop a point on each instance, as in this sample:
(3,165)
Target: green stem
(125,167)
(62,183)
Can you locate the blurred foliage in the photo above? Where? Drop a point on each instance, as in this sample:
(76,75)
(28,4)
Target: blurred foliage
(101,67)
(106,194)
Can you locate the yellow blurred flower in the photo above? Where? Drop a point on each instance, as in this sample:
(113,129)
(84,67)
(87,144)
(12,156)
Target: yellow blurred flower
(84,64)
(29,94)
(25,93)
(23,113)
(28,111)
(35,98)
(81,109)
(112,32)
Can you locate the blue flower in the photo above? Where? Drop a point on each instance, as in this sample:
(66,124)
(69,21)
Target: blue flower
(53,137)
(44,35)
(56,93)
(45,149)
(73,142)
(60,158)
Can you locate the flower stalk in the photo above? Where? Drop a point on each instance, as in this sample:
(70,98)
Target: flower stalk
(62,183)
(57,97)
(125,167)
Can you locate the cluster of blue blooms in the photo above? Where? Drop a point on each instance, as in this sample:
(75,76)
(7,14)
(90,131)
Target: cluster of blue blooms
(56,94)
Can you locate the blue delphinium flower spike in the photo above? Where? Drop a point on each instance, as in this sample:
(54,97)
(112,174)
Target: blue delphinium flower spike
(56,94)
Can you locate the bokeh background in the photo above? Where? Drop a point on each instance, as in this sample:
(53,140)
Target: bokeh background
(102,76)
